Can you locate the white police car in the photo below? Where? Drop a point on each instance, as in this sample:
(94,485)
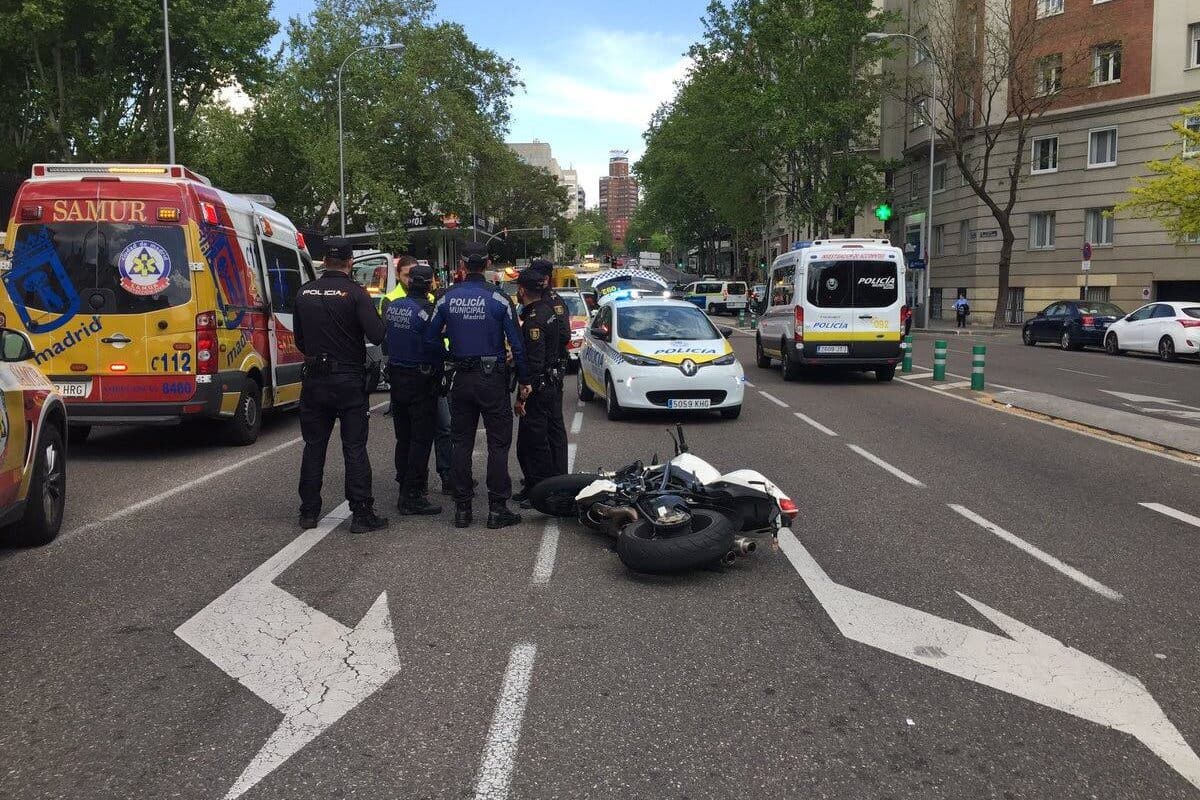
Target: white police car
(654,353)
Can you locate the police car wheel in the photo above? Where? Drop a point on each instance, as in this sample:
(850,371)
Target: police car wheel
(584,392)
(243,429)
(708,541)
(611,404)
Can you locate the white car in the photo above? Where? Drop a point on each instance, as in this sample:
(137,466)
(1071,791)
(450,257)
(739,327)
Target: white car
(1169,329)
(654,353)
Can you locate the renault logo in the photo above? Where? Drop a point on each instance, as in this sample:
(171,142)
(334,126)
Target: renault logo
(689,367)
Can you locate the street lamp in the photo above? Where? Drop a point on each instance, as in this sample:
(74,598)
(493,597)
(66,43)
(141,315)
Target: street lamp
(170,102)
(879,37)
(341,133)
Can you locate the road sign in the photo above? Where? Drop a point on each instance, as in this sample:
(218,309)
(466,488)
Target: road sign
(1087,252)
(1145,292)
(1087,265)
(916,263)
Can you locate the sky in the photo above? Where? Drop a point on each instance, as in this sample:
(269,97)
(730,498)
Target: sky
(594,72)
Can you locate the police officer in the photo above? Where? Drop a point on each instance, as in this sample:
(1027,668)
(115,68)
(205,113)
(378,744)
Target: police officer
(415,371)
(334,316)
(539,329)
(478,320)
(557,431)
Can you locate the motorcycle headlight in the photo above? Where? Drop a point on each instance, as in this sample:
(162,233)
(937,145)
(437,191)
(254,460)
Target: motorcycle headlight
(725,361)
(642,361)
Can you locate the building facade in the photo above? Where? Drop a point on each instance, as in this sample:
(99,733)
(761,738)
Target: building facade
(539,154)
(1119,71)
(618,196)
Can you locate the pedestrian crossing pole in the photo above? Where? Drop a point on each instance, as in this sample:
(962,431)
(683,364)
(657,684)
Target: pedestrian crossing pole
(978,356)
(940,349)
(906,346)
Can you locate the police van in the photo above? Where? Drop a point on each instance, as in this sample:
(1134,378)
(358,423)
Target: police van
(152,297)
(836,303)
(718,297)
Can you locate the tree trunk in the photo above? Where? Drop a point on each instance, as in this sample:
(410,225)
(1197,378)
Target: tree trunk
(1002,269)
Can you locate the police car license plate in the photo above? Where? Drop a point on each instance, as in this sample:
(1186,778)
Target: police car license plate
(701,403)
(833,350)
(72,389)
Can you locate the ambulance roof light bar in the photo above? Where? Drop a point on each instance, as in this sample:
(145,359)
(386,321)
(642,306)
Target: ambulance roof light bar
(151,171)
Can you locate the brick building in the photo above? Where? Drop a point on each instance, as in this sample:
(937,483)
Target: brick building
(618,196)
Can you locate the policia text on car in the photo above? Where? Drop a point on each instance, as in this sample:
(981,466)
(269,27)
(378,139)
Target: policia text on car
(478,320)
(334,318)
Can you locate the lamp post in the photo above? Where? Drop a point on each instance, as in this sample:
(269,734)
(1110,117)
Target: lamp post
(170,101)
(877,37)
(341,133)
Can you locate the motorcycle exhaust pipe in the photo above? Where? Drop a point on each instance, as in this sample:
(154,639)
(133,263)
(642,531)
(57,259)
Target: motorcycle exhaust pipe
(744,546)
(729,558)
(618,515)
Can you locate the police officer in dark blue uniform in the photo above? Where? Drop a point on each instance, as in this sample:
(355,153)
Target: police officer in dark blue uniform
(557,431)
(415,373)
(539,327)
(334,317)
(478,320)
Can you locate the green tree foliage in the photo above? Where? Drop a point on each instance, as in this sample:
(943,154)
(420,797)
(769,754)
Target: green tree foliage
(1171,194)
(84,80)
(528,198)
(588,233)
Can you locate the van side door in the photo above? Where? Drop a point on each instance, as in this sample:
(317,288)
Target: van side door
(776,322)
(282,271)
(876,298)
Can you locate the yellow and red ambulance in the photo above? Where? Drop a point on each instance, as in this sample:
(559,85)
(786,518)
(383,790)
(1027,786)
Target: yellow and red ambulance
(152,297)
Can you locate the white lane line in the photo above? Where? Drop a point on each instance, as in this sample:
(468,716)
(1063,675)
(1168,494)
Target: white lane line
(773,399)
(815,424)
(1081,372)
(916,376)
(577,422)
(543,567)
(879,462)
(571,456)
(500,754)
(1041,555)
(751,385)
(1182,516)
(580,404)
(955,385)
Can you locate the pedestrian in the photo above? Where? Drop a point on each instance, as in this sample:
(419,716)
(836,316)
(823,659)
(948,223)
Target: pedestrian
(478,320)
(961,309)
(334,317)
(415,373)
(557,431)
(539,331)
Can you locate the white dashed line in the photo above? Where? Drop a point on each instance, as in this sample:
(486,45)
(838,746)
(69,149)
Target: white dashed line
(1172,512)
(751,385)
(500,754)
(1081,372)
(577,422)
(815,424)
(1040,555)
(879,462)
(543,567)
(571,456)
(773,399)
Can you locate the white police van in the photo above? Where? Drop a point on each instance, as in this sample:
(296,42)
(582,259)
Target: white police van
(836,303)
(719,297)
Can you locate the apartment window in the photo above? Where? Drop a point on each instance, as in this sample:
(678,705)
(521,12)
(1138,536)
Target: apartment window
(939,176)
(1049,74)
(964,237)
(1102,147)
(1098,226)
(912,184)
(1045,155)
(1041,230)
(1106,63)
(920,113)
(1048,8)
(939,240)
(1194,45)
(1191,147)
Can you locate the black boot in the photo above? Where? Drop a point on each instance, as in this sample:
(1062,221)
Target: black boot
(523,495)
(418,506)
(462,515)
(367,521)
(500,517)
(308,521)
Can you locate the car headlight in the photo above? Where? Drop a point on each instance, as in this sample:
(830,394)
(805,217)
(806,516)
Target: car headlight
(642,361)
(725,361)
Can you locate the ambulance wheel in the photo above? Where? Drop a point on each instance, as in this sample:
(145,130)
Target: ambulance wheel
(885,374)
(247,419)
(47,491)
(78,434)
(761,359)
(585,393)
(611,404)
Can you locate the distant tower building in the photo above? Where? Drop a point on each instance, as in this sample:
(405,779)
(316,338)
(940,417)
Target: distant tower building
(618,196)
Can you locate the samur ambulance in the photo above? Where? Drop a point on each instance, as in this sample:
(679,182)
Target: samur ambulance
(152,297)
(835,303)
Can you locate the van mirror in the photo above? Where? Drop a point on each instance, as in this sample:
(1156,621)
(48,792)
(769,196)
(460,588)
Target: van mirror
(14,346)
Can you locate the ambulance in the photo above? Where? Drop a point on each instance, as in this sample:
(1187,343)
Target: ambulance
(153,298)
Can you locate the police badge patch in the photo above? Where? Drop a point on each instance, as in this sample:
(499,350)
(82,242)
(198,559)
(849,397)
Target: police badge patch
(535,334)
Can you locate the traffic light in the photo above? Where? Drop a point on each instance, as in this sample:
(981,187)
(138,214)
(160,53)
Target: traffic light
(545,231)
(883,212)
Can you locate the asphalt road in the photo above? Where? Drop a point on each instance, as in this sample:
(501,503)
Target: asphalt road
(974,605)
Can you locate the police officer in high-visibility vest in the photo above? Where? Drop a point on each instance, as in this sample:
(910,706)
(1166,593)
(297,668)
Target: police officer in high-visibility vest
(478,320)
(539,328)
(334,316)
(415,373)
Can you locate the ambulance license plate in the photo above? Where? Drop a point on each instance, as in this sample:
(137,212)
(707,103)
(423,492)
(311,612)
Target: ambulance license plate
(833,350)
(682,404)
(72,389)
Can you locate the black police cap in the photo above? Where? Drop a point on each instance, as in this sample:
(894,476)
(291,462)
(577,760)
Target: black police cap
(543,266)
(421,273)
(474,253)
(531,278)
(339,247)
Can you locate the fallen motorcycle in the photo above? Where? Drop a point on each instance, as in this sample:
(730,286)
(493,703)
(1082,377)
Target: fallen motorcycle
(672,517)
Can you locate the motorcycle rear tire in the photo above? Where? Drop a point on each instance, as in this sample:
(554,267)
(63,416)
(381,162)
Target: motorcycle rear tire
(710,539)
(555,496)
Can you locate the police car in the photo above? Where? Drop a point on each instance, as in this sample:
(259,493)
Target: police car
(650,352)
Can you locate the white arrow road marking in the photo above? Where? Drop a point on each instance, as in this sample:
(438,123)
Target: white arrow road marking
(1030,665)
(311,668)
(1145,398)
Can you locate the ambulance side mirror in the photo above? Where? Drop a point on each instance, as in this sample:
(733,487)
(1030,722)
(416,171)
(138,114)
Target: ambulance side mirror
(14,346)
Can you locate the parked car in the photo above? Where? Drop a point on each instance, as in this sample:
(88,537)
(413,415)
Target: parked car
(1071,324)
(1169,329)
(33,439)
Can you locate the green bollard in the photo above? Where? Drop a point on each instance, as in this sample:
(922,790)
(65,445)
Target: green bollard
(940,349)
(978,356)
(906,364)
(753,321)
(742,318)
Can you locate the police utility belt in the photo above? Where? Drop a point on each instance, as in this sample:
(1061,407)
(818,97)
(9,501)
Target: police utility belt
(418,369)
(324,365)
(485,364)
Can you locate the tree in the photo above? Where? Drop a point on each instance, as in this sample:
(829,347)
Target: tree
(1171,194)
(531,198)
(994,72)
(588,233)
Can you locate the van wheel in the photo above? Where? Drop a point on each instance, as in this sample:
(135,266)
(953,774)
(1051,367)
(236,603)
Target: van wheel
(243,429)
(760,358)
(885,374)
(612,405)
(584,392)
(791,370)
(78,434)
(47,491)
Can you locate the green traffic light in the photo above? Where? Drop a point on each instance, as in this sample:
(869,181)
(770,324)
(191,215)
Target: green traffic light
(883,212)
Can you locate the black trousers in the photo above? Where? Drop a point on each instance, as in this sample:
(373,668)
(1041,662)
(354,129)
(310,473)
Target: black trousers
(960,319)
(414,416)
(323,400)
(557,431)
(476,395)
(539,434)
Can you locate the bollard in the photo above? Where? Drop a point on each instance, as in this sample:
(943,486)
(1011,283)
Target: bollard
(753,320)
(742,318)
(978,356)
(939,359)
(906,346)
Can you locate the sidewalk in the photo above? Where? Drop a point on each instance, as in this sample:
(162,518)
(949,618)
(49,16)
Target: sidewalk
(943,328)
